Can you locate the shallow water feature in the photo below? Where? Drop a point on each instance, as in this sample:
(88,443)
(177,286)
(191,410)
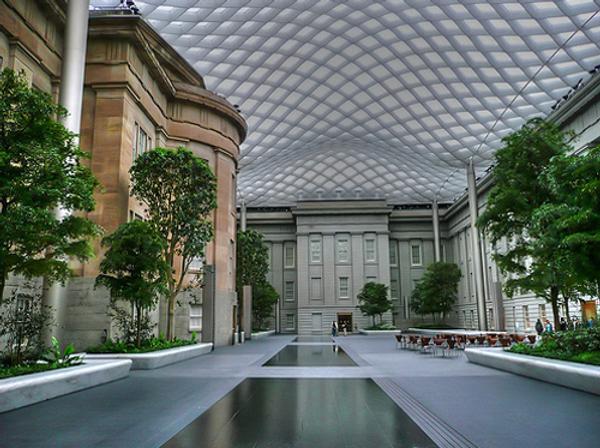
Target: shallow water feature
(303,413)
(321,355)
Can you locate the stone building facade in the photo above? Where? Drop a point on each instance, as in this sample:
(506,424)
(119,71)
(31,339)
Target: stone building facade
(138,94)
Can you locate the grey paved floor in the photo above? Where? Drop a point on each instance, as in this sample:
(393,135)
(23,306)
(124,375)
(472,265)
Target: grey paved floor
(488,407)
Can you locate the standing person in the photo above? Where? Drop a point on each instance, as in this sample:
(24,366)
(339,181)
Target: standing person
(345,329)
(539,327)
(333,329)
(549,328)
(563,324)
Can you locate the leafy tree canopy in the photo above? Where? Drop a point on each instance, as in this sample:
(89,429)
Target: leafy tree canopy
(373,300)
(179,191)
(264,298)
(252,259)
(436,291)
(133,268)
(40,170)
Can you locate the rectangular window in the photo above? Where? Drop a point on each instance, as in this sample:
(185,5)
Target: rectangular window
(343,250)
(290,322)
(196,264)
(542,312)
(136,132)
(491,323)
(290,256)
(394,289)
(472,313)
(464,316)
(195,317)
(526,321)
(371,278)
(393,254)
(370,253)
(415,255)
(315,288)
(315,251)
(142,142)
(343,289)
(289,292)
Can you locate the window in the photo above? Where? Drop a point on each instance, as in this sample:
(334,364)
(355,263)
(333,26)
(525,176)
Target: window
(370,253)
(343,250)
(289,291)
(472,313)
(491,323)
(526,321)
(371,278)
(415,255)
(133,216)
(315,288)
(142,142)
(290,322)
(290,256)
(343,289)
(196,264)
(195,317)
(542,312)
(394,289)
(315,251)
(393,254)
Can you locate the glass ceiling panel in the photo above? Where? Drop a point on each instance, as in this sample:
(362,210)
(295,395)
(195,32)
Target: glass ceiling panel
(378,99)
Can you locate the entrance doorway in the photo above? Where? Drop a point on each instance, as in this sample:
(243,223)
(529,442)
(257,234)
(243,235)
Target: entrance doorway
(344,319)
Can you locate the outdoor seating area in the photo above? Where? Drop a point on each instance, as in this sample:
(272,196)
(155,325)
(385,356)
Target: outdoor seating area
(452,344)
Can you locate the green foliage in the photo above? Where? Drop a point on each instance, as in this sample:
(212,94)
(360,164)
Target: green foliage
(22,321)
(437,326)
(535,260)
(381,326)
(25,369)
(373,300)
(179,191)
(134,271)
(148,345)
(437,289)
(580,345)
(575,215)
(252,259)
(40,170)
(58,357)
(264,298)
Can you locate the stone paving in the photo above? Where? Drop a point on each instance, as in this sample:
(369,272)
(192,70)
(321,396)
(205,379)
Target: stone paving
(456,403)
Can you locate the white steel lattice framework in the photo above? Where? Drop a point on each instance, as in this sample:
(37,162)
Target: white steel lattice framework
(378,98)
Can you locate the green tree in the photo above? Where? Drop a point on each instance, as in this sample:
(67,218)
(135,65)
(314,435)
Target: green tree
(252,259)
(179,191)
(436,291)
(574,216)
(40,170)
(134,270)
(373,300)
(533,259)
(264,298)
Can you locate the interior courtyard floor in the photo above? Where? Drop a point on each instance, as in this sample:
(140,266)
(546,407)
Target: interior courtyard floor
(455,403)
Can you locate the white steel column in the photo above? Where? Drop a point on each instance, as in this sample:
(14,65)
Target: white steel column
(476,248)
(243,216)
(71,95)
(436,231)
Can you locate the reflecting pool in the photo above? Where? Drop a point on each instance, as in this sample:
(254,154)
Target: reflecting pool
(303,413)
(322,355)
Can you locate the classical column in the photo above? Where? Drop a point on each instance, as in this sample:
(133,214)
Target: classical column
(476,248)
(71,96)
(243,216)
(436,231)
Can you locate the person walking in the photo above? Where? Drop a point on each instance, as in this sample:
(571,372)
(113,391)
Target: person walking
(539,327)
(345,329)
(548,328)
(333,329)
(563,324)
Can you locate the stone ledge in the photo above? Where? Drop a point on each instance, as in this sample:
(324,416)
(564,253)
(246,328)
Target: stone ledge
(24,390)
(569,374)
(378,332)
(262,334)
(157,359)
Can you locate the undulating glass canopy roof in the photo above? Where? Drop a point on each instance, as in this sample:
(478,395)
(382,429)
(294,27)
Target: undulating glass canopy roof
(387,99)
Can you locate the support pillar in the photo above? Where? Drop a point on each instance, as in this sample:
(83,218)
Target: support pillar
(71,98)
(476,248)
(247,311)
(436,231)
(243,216)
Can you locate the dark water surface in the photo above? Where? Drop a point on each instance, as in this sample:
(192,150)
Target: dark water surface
(303,413)
(311,356)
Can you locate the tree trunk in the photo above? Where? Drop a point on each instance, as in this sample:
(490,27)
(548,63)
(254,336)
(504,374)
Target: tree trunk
(138,333)
(171,317)
(555,307)
(567,311)
(2,284)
